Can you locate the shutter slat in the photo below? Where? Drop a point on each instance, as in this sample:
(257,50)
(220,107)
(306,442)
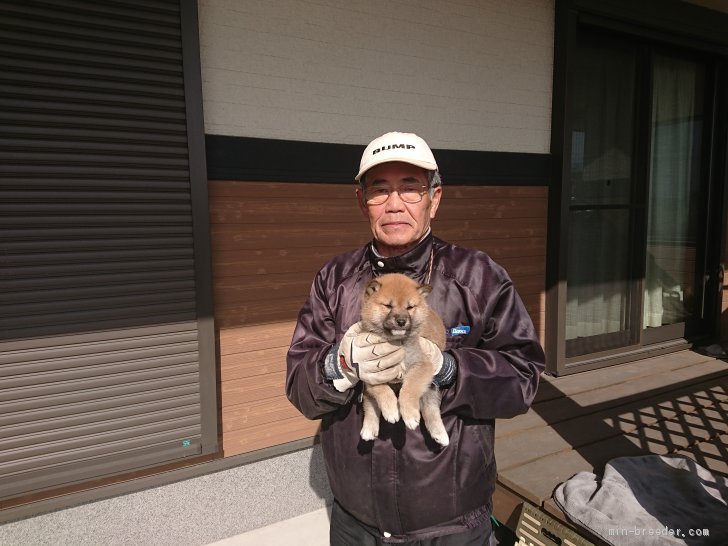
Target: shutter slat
(133,356)
(116,394)
(43,245)
(90,220)
(60,23)
(100,463)
(62,82)
(53,382)
(68,426)
(91,146)
(90,411)
(60,437)
(105,443)
(79,108)
(47,119)
(43,272)
(143,59)
(22,39)
(73,187)
(83,317)
(108,350)
(50,301)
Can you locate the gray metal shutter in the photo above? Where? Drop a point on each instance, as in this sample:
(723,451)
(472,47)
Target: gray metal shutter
(106,350)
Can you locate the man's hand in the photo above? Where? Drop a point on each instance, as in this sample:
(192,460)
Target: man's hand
(444,366)
(367,356)
(379,361)
(432,353)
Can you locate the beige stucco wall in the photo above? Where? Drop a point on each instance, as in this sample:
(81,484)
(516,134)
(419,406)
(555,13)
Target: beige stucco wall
(464,74)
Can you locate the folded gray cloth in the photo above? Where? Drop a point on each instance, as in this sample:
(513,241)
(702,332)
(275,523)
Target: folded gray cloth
(649,501)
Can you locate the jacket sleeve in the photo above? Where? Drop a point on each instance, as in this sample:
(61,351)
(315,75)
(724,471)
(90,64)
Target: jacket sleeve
(315,334)
(498,377)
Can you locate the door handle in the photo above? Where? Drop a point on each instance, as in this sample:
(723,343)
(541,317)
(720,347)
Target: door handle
(720,277)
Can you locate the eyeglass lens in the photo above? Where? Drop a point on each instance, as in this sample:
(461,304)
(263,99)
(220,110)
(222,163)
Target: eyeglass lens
(408,194)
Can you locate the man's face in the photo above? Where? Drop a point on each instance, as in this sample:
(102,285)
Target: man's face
(398,226)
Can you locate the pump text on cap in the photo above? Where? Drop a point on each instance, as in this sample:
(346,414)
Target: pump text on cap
(403,146)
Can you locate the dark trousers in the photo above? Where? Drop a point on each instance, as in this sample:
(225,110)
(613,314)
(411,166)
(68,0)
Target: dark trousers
(347,531)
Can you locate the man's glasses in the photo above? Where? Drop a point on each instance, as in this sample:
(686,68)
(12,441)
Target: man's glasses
(380,194)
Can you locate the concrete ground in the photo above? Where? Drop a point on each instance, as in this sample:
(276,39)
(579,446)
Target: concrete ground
(310,529)
(243,502)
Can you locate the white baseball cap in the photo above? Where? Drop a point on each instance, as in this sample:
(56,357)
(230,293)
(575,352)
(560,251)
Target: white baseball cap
(405,147)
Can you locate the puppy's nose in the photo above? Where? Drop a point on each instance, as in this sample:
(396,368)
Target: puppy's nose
(401,322)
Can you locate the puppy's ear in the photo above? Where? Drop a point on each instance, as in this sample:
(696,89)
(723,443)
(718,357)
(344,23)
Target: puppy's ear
(424,289)
(372,287)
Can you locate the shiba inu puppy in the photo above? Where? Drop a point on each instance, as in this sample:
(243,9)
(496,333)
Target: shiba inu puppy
(395,309)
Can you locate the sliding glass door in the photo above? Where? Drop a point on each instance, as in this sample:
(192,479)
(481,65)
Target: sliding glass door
(636,206)
(601,213)
(675,269)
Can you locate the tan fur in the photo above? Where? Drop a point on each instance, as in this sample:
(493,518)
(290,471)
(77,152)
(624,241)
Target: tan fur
(394,307)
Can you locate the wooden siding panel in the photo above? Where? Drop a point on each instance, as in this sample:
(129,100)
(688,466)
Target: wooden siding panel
(230,316)
(268,434)
(256,337)
(260,210)
(260,412)
(244,390)
(269,240)
(253,363)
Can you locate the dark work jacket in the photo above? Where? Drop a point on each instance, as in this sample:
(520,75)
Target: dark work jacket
(403,485)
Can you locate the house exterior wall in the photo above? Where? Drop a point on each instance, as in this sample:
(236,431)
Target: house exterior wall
(465,75)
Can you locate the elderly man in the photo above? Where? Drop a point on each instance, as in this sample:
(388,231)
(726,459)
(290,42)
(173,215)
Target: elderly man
(403,487)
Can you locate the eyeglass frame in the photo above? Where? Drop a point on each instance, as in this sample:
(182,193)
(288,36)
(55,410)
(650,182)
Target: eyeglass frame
(433,179)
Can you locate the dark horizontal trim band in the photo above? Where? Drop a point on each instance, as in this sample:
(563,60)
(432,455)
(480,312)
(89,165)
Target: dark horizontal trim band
(269,160)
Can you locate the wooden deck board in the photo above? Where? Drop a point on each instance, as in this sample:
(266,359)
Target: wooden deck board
(611,392)
(533,444)
(670,404)
(712,455)
(582,382)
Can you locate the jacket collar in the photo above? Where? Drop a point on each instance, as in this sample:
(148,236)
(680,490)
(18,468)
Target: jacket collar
(413,263)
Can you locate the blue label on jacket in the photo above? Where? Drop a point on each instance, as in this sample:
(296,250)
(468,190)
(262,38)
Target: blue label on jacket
(459,331)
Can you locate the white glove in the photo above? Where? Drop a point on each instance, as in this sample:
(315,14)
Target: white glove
(433,354)
(368,357)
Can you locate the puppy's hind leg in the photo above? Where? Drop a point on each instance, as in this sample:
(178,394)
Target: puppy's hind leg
(370,426)
(414,384)
(378,400)
(386,400)
(430,407)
